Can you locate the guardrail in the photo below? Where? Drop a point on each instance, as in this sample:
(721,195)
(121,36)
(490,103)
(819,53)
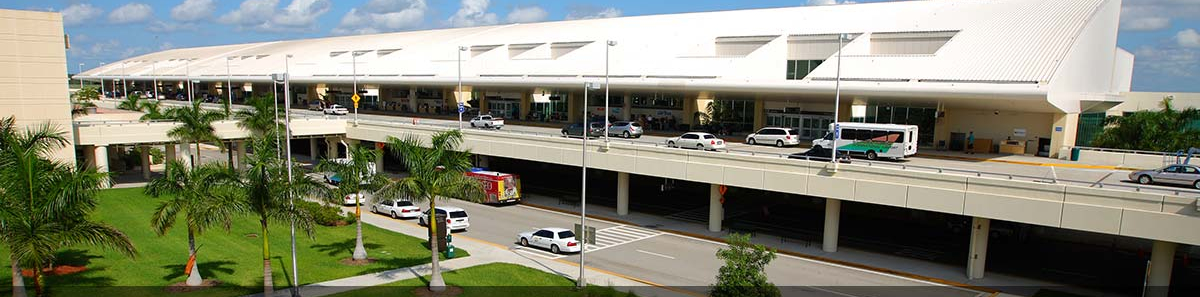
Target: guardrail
(893,165)
(1100,149)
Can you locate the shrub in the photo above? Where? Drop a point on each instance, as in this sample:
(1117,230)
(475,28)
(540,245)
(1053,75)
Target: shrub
(326,215)
(743,274)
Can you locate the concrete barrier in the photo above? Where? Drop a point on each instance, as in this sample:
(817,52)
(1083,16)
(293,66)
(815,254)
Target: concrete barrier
(1119,159)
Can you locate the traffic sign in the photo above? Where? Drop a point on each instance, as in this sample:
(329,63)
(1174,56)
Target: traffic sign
(586,237)
(355,98)
(355,105)
(461,108)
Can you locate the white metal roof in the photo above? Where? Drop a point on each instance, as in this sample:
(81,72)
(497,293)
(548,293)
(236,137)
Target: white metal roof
(1009,47)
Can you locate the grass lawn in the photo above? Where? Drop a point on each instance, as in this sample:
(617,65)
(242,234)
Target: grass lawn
(496,279)
(234,257)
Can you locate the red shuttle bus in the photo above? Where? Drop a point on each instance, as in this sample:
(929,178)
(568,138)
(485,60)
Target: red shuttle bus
(499,187)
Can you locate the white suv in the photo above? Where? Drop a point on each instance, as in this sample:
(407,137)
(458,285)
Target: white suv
(457,218)
(780,137)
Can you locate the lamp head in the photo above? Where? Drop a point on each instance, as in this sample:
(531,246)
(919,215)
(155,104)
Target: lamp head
(612,43)
(463,48)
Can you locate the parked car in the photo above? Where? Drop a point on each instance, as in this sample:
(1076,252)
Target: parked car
(396,208)
(487,121)
(780,137)
(456,220)
(1178,174)
(332,178)
(576,130)
(625,129)
(819,154)
(558,240)
(350,199)
(316,106)
(697,140)
(335,109)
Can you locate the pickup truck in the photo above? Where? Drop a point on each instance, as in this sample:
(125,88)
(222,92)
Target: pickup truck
(487,121)
(336,110)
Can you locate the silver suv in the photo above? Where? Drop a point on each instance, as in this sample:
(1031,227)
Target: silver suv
(625,129)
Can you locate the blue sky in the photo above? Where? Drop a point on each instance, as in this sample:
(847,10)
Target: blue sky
(1162,33)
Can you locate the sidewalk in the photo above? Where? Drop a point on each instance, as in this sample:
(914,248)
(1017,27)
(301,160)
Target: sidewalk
(481,253)
(884,263)
(1013,159)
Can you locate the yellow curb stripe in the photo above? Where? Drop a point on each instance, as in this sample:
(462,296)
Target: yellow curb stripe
(677,290)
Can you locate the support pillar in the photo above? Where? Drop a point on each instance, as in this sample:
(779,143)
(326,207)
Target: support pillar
(241,155)
(484,162)
(145,154)
(1162,258)
(626,108)
(716,211)
(186,154)
(833,217)
(170,155)
(379,157)
(312,149)
(331,149)
(977,255)
(623,193)
(101,161)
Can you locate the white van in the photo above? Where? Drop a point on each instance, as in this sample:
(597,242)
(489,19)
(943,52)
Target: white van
(872,140)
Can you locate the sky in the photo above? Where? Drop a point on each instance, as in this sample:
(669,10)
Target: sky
(1163,34)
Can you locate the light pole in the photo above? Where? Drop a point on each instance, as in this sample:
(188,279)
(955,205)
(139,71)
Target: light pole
(354,69)
(77,72)
(287,81)
(837,103)
(229,82)
(583,195)
(154,74)
(187,74)
(458,92)
(607,113)
(102,82)
(124,85)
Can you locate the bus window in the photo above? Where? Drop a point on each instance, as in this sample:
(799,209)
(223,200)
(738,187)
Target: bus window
(896,137)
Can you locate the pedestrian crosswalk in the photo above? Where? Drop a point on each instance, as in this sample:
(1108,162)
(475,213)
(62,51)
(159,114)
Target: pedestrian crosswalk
(605,238)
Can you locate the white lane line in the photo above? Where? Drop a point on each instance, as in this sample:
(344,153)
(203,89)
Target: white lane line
(831,292)
(656,254)
(538,253)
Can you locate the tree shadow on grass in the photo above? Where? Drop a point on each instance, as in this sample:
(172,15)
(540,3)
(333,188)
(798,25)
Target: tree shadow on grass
(345,247)
(74,257)
(207,269)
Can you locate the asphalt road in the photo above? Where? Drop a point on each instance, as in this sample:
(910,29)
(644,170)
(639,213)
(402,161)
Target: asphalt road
(682,262)
(1046,174)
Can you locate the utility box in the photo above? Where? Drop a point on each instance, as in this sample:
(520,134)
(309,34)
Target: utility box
(440,220)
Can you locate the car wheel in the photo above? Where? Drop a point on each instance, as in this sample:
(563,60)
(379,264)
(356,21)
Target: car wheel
(700,147)
(374,210)
(554,248)
(394,216)
(1145,179)
(670,144)
(472,125)
(524,242)
(564,133)
(871,155)
(421,221)
(779,143)
(752,142)
(625,134)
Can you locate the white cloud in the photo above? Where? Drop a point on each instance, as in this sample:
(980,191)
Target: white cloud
(166,46)
(130,13)
(1168,61)
(1188,38)
(472,13)
(584,12)
(527,14)
(1153,15)
(79,13)
(193,10)
(383,16)
(165,27)
(265,16)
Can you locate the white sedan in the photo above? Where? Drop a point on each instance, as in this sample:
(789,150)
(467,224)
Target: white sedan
(351,199)
(396,208)
(697,140)
(336,110)
(558,240)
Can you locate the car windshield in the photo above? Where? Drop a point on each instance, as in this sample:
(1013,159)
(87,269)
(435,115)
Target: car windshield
(458,214)
(404,203)
(565,234)
(635,124)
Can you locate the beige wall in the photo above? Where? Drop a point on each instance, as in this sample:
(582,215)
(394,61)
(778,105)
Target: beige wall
(987,124)
(33,72)
(1135,101)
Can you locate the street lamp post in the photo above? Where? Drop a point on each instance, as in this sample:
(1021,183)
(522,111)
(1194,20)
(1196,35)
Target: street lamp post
(582,282)
(124,85)
(354,69)
(229,82)
(102,82)
(77,72)
(187,74)
(837,103)
(154,74)
(458,92)
(607,113)
(287,81)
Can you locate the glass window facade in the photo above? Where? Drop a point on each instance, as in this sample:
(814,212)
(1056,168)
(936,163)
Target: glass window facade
(553,111)
(733,114)
(656,100)
(798,69)
(429,93)
(811,125)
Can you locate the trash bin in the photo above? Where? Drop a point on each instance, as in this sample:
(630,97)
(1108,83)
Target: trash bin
(1075,154)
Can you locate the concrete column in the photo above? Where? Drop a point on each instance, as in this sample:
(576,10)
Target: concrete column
(312,149)
(170,155)
(623,193)
(833,217)
(977,255)
(484,162)
(332,148)
(1162,258)
(186,154)
(241,155)
(145,152)
(626,108)
(100,161)
(379,158)
(716,211)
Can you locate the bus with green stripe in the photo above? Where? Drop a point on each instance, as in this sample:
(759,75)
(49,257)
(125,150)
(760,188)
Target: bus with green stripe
(873,141)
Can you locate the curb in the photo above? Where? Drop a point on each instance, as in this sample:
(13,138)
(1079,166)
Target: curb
(991,291)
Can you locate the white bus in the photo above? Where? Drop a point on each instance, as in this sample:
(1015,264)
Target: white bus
(872,140)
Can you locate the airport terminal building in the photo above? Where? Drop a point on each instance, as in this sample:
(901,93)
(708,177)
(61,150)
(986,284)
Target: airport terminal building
(1022,70)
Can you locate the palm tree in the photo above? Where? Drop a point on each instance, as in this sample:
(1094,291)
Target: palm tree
(260,117)
(1167,130)
(131,102)
(435,172)
(82,100)
(153,111)
(45,205)
(206,195)
(357,177)
(266,193)
(195,127)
